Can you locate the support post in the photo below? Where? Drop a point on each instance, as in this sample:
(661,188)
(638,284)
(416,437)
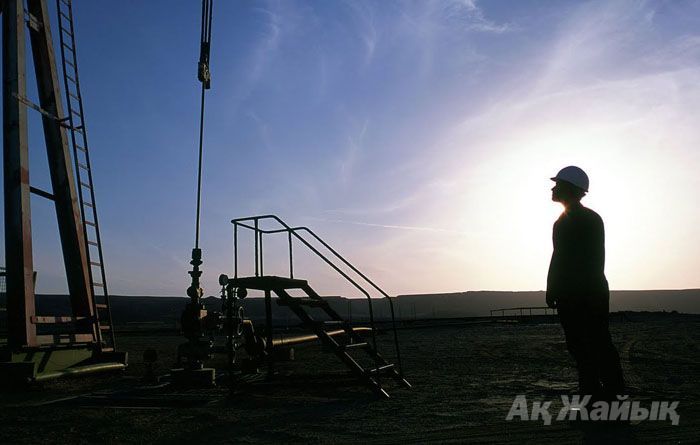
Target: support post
(60,167)
(268,329)
(18,232)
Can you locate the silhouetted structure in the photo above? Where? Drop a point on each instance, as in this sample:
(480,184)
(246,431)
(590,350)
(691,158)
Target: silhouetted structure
(40,347)
(366,363)
(577,287)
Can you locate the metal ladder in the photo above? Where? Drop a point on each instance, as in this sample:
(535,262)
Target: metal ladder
(83,173)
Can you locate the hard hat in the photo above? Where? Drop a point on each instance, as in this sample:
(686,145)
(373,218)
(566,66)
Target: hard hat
(573,175)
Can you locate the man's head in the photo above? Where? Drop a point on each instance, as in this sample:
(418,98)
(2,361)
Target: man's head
(571,184)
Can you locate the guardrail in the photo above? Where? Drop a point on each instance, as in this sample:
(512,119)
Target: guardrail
(524,311)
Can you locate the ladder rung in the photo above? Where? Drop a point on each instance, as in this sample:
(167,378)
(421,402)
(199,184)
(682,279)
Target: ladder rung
(98,284)
(107,349)
(101,306)
(90,223)
(380,369)
(92,243)
(70,78)
(83,149)
(66,2)
(83,166)
(74,111)
(105,327)
(93,263)
(66,31)
(89,204)
(336,322)
(55,319)
(65,16)
(68,62)
(63,339)
(86,185)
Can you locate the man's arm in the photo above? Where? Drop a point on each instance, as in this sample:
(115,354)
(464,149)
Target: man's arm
(551,297)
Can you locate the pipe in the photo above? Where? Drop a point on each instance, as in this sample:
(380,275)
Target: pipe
(299,339)
(76,370)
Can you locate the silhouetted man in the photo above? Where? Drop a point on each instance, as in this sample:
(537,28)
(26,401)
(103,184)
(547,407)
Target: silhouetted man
(577,287)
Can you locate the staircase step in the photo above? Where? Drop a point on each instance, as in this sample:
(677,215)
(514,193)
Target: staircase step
(304,301)
(354,345)
(374,371)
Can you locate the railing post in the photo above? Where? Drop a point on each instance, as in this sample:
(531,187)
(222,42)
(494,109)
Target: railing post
(262,271)
(235,250)
(268,330)
(291,256)
(255,235)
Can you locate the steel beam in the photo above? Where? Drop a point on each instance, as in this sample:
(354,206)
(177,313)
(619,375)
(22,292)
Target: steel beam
(18,236)
(62,178)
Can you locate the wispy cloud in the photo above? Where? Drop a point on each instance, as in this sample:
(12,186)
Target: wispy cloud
(268,41)
(394,206)
(470,15)
(599,40)
(445,28)
(391,226)
(263,130)
(365,26)
(353,153)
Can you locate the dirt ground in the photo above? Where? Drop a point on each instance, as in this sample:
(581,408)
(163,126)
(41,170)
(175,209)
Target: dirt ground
(465,378)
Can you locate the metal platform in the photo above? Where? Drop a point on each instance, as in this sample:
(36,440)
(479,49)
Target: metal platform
(268,283)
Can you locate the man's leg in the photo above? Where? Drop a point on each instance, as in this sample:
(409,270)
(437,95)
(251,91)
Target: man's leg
(577,342)
(607,358)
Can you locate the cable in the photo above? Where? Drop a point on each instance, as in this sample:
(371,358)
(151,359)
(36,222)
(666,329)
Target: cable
(204,76)
(195,291)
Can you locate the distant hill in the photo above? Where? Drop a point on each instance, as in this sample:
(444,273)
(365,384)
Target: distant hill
(166,310)
(480,303)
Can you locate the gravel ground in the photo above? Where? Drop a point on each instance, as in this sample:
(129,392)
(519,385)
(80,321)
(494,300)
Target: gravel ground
(465,379)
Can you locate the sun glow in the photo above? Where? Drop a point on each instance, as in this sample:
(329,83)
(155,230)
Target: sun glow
(507,198)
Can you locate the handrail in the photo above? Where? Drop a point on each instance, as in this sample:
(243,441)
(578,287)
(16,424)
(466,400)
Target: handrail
(293,231)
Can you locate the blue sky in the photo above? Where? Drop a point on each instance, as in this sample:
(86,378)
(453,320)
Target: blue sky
(416,137)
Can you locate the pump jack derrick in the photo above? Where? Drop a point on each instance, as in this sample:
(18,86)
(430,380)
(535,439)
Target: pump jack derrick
(41,347)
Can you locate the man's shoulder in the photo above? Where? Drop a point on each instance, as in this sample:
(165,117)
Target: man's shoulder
(590,215)
(590,212)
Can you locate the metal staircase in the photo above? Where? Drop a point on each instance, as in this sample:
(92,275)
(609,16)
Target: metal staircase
(360,355)
(83,172)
